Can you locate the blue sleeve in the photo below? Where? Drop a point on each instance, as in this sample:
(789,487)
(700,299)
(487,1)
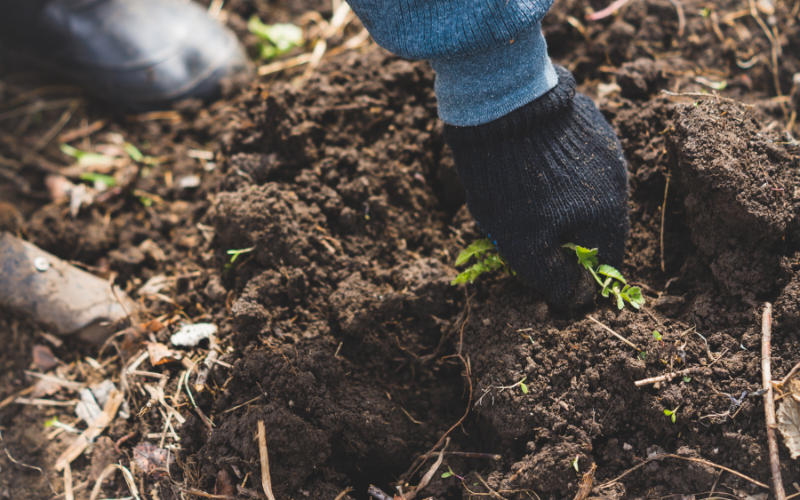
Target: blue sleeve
(432,29)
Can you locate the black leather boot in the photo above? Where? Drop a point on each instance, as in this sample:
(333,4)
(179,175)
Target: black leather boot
(139,54)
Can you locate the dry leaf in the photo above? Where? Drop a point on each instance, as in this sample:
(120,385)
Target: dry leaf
(789,424)
(150,458)
(103,454)
(45,387)
(224,485)
(44,358)
(160,354)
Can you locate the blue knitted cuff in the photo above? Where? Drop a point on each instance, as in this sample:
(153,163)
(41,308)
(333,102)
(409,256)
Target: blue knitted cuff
(479,88)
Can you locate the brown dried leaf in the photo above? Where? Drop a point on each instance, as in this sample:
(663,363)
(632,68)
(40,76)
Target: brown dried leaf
(789,424)
(160,354)
(44,358)
(151,458)
(45,387)
(103,454)
(224,485)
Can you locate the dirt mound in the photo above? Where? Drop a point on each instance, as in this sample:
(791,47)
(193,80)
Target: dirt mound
(742,197)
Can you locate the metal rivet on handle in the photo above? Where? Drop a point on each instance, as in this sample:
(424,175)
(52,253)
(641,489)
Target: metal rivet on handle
(41,264)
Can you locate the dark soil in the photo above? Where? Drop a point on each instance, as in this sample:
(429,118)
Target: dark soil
(340,327)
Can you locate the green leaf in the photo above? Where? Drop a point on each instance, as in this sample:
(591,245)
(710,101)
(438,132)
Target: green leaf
(642,355)
(477,248)
(134,153)
(674,417)
(85,157)
(668,412)
(656,335)
(51,422)
(283,36)
(634,297)
(611,272)
(687,379)
(447,474)
(96,178)
(587,258)
(523,387)
(236,253)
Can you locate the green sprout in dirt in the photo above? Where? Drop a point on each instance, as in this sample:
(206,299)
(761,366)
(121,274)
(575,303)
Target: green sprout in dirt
(275,39)
(235,255)
(523,386)
(613,278)
(672,413)
(487,259)
(574,463)
(450,473)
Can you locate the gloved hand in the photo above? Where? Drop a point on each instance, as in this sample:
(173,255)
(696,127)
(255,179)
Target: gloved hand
(548,173)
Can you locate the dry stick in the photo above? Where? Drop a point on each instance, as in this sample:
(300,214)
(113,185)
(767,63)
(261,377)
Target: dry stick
(68,495)
(663,212)
(66,116)
(699,460)
(616,334)
(769,401)
(601,14)
(78,487)
(681,17)
(429,475)
(586,484)
(789,376)
(343,493)
(13,397)
(669,376)
(266,482)
(208,363)
(94,430)
(378,493)
(491,490)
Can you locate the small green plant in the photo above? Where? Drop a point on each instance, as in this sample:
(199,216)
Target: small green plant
(642,355)
(687,379)
(523,386)
(235,255)
(275,39)
(100,181)
(487,259)
(672,413)
(450,473)
(656,335)
(613,278)
(86,158)
(574,463)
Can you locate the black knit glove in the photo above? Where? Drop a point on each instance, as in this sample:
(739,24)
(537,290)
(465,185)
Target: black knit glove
(548,173)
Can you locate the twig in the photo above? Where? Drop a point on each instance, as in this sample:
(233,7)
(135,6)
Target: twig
(94,430)
(68,495)
(699,460)
(663,212)
(429,475)
(787,378)
(266,482)
(208,363)
(602,14)
(586,484)
(13,397)
(769,401)
(343,493)
(713,96)
(204,494)
(121,440)
(66,116)
(669,376)
(616,334)
(377,493)
(681,17)
(491,490)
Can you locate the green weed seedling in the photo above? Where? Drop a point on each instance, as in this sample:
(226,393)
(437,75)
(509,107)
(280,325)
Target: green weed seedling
(487,259)
(574,463)
(275,39)
(523,386)
(613,278)
(672,413)
(235,255)
(450,473)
